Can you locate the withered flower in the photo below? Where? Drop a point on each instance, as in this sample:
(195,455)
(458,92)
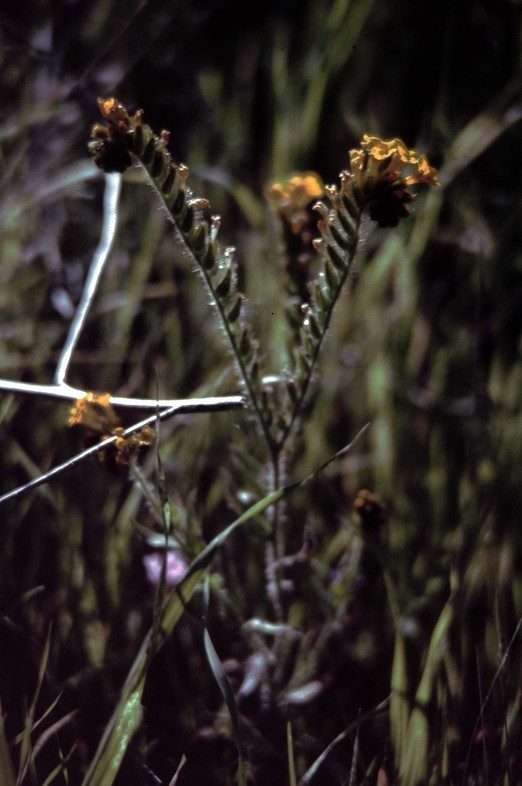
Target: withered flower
(110,146)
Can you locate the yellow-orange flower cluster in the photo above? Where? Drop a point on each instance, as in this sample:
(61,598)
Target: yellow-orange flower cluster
(114,112)
(291,198)
(96,413)
(380,175)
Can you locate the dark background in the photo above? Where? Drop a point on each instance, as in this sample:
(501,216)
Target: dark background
(427,348)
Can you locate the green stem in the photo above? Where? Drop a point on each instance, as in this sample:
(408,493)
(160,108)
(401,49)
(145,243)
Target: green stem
(274,550)
(207,249)
(325,315)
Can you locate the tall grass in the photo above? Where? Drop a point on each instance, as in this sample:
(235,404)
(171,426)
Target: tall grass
(388,652)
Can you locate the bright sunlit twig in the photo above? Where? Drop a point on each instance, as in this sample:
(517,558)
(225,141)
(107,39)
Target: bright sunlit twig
(184,406)
(67,393)
(101,255)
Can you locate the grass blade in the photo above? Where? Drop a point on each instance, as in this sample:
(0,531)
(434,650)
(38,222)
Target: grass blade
(26,756)
(414,764)
(311,771)
(224,686)
(399,703)
(123,724)
(177,773)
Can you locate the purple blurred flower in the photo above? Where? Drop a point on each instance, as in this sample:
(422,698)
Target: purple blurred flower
(175,569)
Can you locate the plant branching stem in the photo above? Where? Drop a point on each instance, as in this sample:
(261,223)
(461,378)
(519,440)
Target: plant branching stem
(298,405)
(245,377)
(274,549)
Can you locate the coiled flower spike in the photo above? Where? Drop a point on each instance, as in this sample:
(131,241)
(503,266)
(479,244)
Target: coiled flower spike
(381,174)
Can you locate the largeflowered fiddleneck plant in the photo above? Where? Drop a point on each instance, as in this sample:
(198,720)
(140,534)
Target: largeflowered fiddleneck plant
(377,183)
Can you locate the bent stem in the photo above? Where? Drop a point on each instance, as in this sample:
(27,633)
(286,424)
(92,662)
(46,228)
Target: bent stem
(341,234)
(111,149)
(336,270)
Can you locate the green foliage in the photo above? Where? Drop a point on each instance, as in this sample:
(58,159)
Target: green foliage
(337,643)
(230,700)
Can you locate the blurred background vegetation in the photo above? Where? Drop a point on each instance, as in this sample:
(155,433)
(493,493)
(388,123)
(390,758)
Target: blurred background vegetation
(427,347)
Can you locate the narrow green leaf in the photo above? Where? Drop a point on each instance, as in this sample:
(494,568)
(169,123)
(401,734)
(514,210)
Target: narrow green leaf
(399,704)
(175,777)
(167,187)
(347,226)
(335,257)
(311,771)
(320,297)
(414,764)
(224,686)
(208,258)
(53,775)
(307,341)
(186,220)
(435,650)
(199,239)
(61,768)
(350,208)
(315,327)
(330,274)
(339,237)
(116,738)
(35,725)
(58,770)
(304,363)
(222,288)
(26,746)
(245,347)
(233,312)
